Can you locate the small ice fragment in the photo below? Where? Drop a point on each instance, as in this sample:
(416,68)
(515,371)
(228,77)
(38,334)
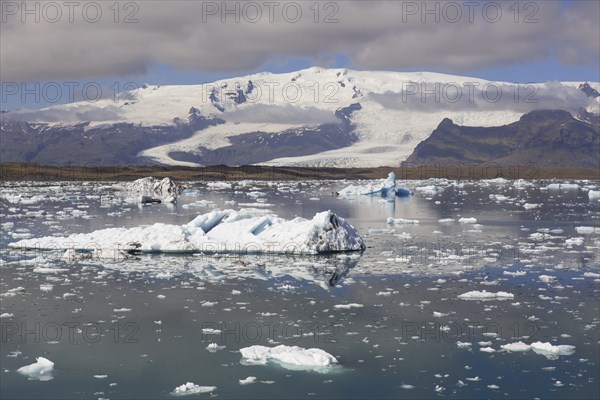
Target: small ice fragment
(248,380)
(191,388)
(213,347)
(348,306)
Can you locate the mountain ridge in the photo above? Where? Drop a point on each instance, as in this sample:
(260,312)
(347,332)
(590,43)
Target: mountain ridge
(258,118)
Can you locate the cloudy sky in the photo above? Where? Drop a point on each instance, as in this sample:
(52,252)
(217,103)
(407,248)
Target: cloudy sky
(179,42)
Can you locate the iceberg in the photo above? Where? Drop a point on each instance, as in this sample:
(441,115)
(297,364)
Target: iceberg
(387,188)
(166,188)
(484,295)
(289,357)
(516,347)
(219,231)
(41,370)
(191,388)
(552,352)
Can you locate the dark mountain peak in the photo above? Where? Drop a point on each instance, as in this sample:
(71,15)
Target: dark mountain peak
(194,111)
(547,138)
(446,122)
(344,113)
(588,90)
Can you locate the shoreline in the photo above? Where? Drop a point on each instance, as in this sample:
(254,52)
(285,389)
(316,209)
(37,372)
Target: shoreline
(454,171)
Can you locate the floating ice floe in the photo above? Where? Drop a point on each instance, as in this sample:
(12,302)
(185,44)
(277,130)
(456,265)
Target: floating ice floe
(347,306)
(247,381)
(562,186)
(289,357)
(587,230)
(41,370)
(546,349)
(484,295)
(550,351)
(386,188)
(166,188)
(516,347)
(226,231)
(594,195)
(191,388)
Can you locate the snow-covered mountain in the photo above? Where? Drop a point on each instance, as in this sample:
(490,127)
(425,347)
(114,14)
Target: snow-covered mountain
(312,117)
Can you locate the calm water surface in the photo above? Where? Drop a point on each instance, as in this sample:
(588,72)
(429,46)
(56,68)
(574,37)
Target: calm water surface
(134,328)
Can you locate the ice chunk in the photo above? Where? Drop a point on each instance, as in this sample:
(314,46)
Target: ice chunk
(248,380)
(219,231)
(552,352)
(191,388)
(562,186)
(41,370)
(483,295)
(213,347)
(428,190)
(385,188)
(347,306)
(587,230)
(402,221)
(166,188)
(289,357)
(517,346)
(468,220)
(546,278)
(487,349)
(515,273)
(594,195)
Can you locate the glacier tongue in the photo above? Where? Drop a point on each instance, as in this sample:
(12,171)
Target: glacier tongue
(219,231)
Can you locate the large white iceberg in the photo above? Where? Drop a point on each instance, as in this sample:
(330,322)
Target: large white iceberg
(40,370)
(289,357)
(219,231)
(385,188)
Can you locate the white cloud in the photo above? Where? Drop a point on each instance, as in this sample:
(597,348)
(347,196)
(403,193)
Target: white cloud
(374,34)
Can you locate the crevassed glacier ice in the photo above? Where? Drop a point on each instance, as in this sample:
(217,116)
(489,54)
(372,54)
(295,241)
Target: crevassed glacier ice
(219,231)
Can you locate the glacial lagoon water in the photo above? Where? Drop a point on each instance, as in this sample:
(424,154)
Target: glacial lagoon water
(392,317)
